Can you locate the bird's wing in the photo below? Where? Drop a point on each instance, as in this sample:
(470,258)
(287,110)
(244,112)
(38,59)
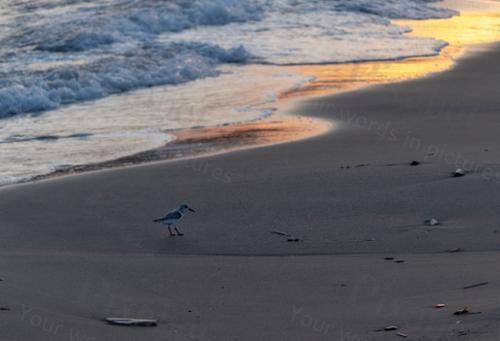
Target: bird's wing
(173,215)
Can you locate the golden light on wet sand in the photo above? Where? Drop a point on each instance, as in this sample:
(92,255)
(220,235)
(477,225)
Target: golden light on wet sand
(461,31)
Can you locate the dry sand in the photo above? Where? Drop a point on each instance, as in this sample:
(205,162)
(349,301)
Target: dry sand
(77,249)
(64,296)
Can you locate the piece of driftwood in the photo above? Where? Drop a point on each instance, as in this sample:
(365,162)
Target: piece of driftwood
(399,261)
(476,285)
(457,249)
(414,163)
(389,258)
(387,329)
(294,240)
(462,311)
(280,233)
(401,334)
(131,322)
(470,332)
(440,305)
(465,311)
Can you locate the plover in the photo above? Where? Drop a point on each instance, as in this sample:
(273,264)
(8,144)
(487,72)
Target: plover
(173,217)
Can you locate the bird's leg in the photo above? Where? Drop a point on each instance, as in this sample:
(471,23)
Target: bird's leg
(170,230)
(178,233)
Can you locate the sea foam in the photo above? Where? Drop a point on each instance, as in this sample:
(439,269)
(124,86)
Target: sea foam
(65,51)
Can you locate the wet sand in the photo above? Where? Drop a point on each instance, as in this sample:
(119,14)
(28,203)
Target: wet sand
(208,141)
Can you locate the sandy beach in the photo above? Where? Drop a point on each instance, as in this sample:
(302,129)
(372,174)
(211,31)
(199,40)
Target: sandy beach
(77,249)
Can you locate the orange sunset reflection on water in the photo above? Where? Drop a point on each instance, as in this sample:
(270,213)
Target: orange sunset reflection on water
(461,31)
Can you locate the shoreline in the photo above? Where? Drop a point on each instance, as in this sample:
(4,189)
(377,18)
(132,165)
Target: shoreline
(255,134)
(211,141)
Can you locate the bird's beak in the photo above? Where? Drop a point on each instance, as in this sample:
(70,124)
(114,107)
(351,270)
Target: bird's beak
(191,210)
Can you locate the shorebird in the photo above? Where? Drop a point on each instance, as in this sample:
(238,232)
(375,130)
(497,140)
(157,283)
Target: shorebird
(173,217)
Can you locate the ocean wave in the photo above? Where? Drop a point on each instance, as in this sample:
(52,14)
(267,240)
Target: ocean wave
(397,9)
(322,32)
(79,28)
(65,51)
(149,66)
(84,25)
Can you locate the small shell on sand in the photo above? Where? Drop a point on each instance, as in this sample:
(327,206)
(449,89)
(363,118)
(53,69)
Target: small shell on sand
(458,173)
(432,222)
(389,328)
(124,321)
